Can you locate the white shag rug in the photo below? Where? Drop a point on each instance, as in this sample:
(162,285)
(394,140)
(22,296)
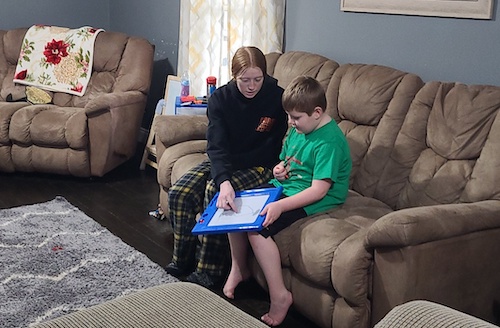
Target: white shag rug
(54,260)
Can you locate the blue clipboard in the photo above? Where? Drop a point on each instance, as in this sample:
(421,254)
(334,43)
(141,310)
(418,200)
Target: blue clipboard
(249,203)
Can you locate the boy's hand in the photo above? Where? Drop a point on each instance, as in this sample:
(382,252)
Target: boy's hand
(272,211)
(280,172)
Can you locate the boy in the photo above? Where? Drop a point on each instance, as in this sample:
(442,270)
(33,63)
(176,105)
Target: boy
(314,173)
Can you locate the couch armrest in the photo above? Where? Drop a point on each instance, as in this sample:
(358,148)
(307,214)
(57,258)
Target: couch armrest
(174,129)
(442,253)
(414,226)
(173,153)
(114,120)
(109,101)
(350,276)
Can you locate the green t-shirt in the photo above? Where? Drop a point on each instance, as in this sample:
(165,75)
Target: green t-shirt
(322,154)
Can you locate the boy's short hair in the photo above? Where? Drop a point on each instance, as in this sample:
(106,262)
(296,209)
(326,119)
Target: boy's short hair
(304,94)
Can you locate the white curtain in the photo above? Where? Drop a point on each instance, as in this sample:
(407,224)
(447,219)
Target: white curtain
(212,30)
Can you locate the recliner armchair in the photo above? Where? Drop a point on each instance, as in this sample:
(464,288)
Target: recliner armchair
(81,136)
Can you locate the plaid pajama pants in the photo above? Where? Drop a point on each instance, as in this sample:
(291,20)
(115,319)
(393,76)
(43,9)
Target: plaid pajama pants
(189,196)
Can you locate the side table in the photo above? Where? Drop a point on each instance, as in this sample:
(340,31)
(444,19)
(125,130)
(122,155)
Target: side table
(172,105)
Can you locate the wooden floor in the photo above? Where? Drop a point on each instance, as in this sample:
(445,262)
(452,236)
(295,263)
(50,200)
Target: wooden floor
(120,201)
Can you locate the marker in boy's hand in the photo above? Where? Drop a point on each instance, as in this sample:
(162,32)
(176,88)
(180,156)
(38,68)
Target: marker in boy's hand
(280,172)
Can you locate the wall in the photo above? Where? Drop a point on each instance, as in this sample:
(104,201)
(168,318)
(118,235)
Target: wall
(70,13)
(157,21)
(445,49)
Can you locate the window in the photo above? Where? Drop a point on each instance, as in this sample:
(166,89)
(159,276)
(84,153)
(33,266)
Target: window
(211,31)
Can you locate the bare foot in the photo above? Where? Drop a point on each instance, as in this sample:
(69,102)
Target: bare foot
(233,280)
(279,309)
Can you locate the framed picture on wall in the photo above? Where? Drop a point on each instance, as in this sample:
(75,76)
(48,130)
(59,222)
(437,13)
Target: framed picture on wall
(478,9)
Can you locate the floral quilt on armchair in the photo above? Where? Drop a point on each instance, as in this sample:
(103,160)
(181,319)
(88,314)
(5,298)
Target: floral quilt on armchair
(57,58)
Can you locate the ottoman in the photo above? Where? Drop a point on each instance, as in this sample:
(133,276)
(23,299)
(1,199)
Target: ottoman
(427,314)
(179,304)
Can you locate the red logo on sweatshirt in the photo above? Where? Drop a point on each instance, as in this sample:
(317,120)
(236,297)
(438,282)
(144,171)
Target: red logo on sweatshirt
(265,125)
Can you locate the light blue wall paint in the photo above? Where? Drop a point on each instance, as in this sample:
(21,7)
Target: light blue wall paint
(68,13)
(444,49)
(156,19)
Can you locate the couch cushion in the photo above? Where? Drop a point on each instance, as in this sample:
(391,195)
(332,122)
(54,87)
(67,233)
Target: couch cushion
(457,145)
(50,125)
(384,94)
(10,46)
(294,63)
(461,120)
(64,161)
(320,236)
(7,109)
(49,138)
(185,163)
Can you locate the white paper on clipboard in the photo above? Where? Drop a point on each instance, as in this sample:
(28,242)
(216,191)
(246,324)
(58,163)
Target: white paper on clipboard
(248,209)
(249,203)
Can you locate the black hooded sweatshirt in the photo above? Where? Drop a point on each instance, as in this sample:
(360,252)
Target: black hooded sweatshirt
(244,133)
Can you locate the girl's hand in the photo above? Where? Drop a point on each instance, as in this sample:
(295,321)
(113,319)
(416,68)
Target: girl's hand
(226,196)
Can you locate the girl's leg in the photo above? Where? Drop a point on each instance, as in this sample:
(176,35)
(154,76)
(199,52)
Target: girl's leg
(185,201)
(267,254)
(238,242)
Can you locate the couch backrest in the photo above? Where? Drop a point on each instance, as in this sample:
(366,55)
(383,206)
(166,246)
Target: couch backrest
(370,103)
(112,70)
(448,148)
(412,144)
(285,67)
(10,47)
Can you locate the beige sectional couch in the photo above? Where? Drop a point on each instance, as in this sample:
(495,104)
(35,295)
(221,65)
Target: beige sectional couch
(422,219)
(81,136)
